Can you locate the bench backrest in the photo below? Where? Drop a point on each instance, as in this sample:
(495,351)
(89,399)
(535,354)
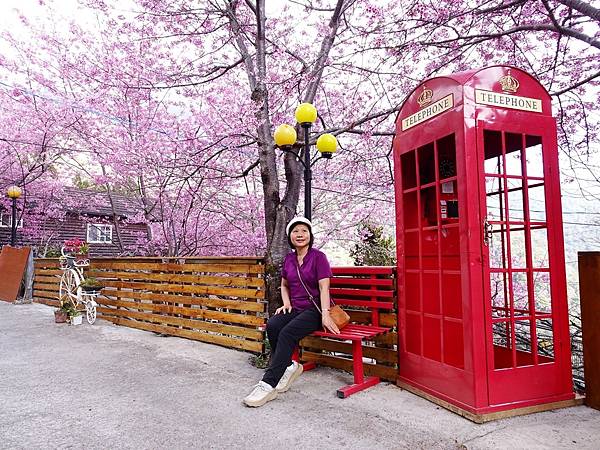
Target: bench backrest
(367,286)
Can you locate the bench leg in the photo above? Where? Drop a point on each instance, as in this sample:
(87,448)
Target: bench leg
(309,365)
(360,382)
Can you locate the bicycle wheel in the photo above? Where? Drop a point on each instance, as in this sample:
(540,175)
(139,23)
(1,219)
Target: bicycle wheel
(90,311)
(69,285)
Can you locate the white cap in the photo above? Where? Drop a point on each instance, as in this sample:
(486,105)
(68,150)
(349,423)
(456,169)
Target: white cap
(295,221)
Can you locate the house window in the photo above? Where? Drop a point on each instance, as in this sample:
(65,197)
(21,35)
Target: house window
(6,221)
(98,233)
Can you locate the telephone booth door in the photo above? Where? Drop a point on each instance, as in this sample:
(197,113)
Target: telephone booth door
(522,259)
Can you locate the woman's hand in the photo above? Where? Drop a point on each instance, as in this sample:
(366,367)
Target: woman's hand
(284,309)
(328,323)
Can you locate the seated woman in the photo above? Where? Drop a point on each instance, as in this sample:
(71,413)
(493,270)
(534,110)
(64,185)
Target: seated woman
(304,282)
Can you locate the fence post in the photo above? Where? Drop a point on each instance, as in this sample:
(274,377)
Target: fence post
(589,290)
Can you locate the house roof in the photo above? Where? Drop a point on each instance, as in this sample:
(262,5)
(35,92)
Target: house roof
(86,201)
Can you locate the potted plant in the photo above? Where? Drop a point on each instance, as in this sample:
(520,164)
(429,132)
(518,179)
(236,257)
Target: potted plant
(66,311)
(76,318)
(78,250)
(60,315)
(91,285)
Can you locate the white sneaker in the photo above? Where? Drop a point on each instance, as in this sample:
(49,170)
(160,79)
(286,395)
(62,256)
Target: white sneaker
(261,394)
(292,372)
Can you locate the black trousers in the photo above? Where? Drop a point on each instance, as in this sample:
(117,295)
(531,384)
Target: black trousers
(284,332)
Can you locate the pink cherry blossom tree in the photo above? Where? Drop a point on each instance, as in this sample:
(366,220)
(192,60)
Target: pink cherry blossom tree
(176,103)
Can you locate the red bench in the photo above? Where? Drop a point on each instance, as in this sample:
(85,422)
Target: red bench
(370,289)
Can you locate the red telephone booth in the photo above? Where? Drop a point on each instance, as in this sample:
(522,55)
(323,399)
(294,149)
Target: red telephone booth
(482,304)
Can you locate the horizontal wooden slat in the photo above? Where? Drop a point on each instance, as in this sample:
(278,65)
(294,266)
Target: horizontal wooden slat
(178,278)
(46,279)
(380,354)
(180,268)
(354,332)
(364,303)
(45,294)
(49,272)
(185,289)
(363,270)
(372,282)
(188,312)
(373,293)
(251,333)
(47,286)
(252,346)
(241,305)
(384,372)
(46,301)
(387,319)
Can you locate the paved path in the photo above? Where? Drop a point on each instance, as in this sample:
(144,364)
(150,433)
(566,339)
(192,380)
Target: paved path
(108,387)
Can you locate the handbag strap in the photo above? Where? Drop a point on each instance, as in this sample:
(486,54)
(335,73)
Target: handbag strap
(312,298)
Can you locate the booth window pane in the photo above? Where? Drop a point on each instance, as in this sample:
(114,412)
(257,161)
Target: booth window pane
(426,164)
(534,156)
(514,146)
(520,293)
(517,248)
(501,335)
(409,208)
(452,295)
(450,248)
(429,249)
(411,250)
(496,207)
(412,289)
(539,247)
(541,292)
(515,200)
(454,349)
(537,202)
(431,293)
(432,338)
(409,170)
(497,247)
(446,148)
(413,333)
(499,297)
(523,343)
(545,340)
(429,207)
(492,144)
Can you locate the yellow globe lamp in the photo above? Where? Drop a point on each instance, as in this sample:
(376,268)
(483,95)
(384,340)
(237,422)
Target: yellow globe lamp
(285,135)
(306,113)
(327,145)
(14,192)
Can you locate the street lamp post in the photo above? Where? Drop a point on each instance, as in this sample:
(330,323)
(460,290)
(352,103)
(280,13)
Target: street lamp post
(285,136)
(14,192)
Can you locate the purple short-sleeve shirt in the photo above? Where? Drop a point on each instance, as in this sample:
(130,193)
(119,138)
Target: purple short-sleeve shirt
(315,267)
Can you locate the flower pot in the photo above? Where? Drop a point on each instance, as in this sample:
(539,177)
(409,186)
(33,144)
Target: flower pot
(60,316)
(82,259)
(91,289)
(76,320)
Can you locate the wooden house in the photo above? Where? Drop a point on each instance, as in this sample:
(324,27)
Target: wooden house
(112,225)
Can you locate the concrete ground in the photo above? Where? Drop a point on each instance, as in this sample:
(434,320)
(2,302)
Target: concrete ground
(105,387)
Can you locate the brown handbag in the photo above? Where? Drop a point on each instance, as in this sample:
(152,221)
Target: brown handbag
(337,314)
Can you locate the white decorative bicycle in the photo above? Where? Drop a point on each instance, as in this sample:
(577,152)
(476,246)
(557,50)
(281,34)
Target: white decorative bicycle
(71,290)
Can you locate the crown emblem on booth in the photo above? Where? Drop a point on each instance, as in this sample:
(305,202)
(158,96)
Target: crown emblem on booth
(509,83)
(425,97)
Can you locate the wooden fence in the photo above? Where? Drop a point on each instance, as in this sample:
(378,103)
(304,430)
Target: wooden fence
(216,300)
(221,301)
